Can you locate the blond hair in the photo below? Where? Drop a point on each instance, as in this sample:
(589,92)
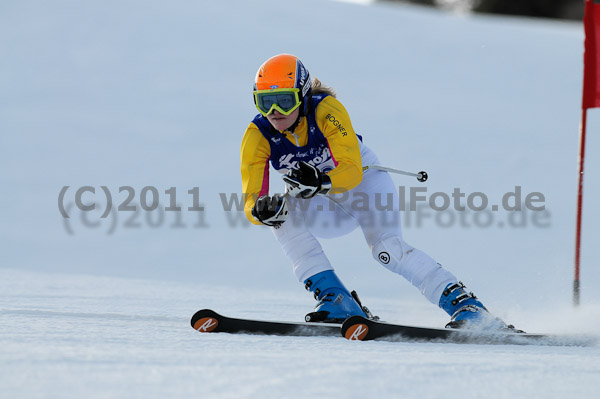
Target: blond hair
(319,88)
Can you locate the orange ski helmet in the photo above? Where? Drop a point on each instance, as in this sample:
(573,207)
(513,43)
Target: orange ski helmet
(285,71)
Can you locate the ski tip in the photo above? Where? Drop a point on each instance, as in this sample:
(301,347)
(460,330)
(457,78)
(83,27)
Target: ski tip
(355,328)
(206,324)
(205,320)
(357,332)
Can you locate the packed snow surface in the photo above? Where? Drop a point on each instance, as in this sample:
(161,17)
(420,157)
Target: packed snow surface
(76,336)
(155,96)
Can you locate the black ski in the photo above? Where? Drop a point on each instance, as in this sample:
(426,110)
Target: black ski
(207,320)
(362,329)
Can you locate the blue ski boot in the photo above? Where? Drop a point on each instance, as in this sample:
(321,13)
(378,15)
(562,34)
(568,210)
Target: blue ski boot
(336,304)
(466,311)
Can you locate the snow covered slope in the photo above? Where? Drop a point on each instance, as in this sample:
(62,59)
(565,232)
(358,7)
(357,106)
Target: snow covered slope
(66,336)
(155,94)
(144,94)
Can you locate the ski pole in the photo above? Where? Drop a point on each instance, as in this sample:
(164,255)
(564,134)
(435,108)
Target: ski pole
(421,176)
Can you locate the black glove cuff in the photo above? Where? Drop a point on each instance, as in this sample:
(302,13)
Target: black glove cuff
(325,184)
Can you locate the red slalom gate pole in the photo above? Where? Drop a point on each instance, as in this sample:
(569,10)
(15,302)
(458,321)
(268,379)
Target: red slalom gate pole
(576,281)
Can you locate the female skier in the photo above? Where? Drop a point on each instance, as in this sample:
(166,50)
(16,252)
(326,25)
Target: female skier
(305,133)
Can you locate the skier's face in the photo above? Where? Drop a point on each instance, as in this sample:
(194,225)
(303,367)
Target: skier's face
(282,122)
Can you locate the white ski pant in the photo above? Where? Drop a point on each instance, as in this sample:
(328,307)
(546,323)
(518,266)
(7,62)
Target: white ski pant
(374,207)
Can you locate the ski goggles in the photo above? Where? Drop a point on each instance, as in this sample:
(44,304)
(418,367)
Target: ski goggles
(283,100)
